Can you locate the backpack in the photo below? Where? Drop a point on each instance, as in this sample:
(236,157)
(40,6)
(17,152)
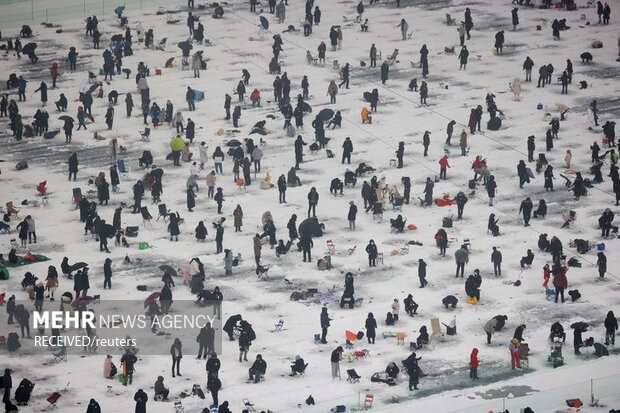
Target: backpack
(21,165)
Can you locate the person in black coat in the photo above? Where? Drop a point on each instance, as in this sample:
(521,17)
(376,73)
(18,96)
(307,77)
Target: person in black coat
(522,172)
(347,149)
(73,166)
(93,407)
(219,199)
(411,307)
(519,332)
(219,239)
(461,200)
(531,147)
(422,272)
(43,89)
(103,192)
(292,227)
(138,191)
(191,198)
(371,249)
(428,192)
(472,288)
(351,216)
(173,226)
(201,232)
(463,56)
(140,398)
(190,130)
(282,189)
(499,41)
(298,366)
(107,274)
(258,369)
(526,208)
(371,327)
(385,70)
(306,245)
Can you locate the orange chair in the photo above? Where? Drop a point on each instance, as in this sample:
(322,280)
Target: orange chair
(368,401)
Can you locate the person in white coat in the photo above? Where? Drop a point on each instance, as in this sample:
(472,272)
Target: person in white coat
(203,153)
(591,120)
(194,170)
(516,88)
(395,309)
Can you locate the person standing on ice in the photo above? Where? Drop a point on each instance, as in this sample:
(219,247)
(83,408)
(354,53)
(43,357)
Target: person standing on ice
(499,42)
(385,71)
(461,257)
(335,358)
(140,398)
(371,249)
(109,117)
(313,200)
(515,18)
(450,131)
(523,174)
(526,208)
(352,215)
(491,187)
(463,56)
(473,364)
(469,22)
(461,31)
(404,28)
(324,324)
(515,355)
(496,259)
(528,64)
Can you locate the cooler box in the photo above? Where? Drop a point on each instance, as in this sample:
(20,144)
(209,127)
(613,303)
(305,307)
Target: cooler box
(199,95)
(158,72)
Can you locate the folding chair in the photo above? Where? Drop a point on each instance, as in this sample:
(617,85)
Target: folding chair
(163,212)
(380,258)
(42,188)
(249,406)
(352,376)
(400,338)
(317,338)
(53,399)
(178,406)
(10,208)
(449,20)
(397,204)
(146,216)
(279,325)
(146,135)
(392,59)
(524,352)
(60,355)
(368,401)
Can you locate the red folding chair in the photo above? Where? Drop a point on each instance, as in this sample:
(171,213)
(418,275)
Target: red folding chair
(53,399)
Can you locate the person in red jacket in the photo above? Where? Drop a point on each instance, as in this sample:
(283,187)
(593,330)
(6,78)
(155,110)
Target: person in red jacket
(560,282)
(443,166)
(473,364)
